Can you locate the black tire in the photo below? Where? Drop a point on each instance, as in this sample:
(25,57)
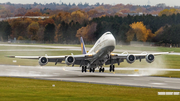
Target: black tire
(85,68)
(93,70)
(100,70)
(110,68)
(113,68)
(82,69)
(103,70)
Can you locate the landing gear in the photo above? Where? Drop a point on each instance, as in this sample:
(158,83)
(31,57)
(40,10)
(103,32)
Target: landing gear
(111,68)
(101,69)
(84,69)
(92,70)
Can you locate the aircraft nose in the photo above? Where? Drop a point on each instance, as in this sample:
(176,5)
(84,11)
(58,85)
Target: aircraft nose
(111,40)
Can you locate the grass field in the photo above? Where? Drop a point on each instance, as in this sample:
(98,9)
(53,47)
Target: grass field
(21,89)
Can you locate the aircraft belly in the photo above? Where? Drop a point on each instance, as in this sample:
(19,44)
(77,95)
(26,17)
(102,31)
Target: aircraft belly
(101,57)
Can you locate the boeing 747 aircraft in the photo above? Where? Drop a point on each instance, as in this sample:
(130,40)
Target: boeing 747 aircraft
(98,55)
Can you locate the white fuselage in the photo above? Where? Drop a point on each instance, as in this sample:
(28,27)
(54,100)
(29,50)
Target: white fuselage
(106,40)
(102,49)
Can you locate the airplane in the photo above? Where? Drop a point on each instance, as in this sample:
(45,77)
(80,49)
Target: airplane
(98,55)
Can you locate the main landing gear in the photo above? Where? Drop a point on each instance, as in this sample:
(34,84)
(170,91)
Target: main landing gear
(111,68)
(92,70)
(84,69)
(101,69)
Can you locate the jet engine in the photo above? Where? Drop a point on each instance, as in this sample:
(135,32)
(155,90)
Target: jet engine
(131,58)
(150,58)
(69,60)
(43,61)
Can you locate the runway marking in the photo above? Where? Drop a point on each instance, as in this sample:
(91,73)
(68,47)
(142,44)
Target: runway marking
(14,61)
(34,72)
(172,82)
(157,83)
(56,73)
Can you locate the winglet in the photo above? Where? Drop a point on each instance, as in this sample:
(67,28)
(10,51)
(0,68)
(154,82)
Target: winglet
(83,48)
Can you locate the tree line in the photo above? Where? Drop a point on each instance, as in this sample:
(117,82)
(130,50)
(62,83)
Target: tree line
(48,9)
(66,27)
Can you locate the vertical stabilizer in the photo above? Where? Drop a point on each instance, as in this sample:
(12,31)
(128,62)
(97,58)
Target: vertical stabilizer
(83,48)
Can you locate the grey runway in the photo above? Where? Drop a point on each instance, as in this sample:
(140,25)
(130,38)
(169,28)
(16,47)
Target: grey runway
(73,74)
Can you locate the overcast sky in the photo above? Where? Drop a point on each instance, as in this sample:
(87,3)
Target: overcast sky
(134,2)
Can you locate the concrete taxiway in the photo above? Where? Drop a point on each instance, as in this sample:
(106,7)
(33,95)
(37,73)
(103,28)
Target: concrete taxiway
(73,74)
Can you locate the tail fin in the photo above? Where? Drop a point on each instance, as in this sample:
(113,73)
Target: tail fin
(83,48)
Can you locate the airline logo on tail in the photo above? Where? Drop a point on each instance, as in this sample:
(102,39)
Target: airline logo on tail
(83,48)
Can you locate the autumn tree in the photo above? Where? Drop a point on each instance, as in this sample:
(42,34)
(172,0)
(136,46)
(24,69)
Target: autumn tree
(33,29)
(87,32)
(58,34)
(33,14)
(63,16)
(169,12)
(100,9)
(19,27)
(79,16)
(92,13)
(139,31)
(21,11)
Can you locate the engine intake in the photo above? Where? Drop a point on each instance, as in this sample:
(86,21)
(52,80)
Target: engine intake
(69,60)
(131,58)
(43,61)
(150,58)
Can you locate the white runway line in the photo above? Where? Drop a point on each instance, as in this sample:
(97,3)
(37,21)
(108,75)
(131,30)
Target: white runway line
(158,83)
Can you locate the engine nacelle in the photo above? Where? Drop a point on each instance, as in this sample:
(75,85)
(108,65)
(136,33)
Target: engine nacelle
(69,60)
(43,61)
(131,58)
(150,58)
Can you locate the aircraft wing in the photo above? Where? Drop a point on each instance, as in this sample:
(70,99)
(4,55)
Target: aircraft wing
(117,58)
(77,59)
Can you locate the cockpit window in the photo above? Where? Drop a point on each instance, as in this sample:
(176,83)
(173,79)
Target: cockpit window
(108,33)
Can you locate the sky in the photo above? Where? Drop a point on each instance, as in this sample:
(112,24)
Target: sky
(134,2)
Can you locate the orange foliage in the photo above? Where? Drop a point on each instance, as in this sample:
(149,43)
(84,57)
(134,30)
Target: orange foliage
(87,32)
(79,16)
(141,32)
(125,10)
(63,16)
(33,29)
(100,9)
(33,14)
(45,22)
